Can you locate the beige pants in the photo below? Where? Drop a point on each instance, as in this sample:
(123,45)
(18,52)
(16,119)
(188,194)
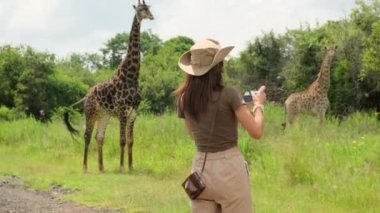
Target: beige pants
(227,182)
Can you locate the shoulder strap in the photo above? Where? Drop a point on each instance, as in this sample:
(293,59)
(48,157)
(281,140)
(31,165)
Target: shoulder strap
(212,130)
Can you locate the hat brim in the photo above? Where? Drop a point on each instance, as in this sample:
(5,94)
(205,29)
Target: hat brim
(197,70)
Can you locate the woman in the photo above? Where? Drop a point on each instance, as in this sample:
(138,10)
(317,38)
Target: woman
(211,113)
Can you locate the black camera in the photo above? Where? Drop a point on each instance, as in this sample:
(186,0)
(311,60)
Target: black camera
(247,97)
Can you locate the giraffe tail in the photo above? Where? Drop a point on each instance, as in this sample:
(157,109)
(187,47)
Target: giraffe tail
(68,124)
(78,102)
(67,120)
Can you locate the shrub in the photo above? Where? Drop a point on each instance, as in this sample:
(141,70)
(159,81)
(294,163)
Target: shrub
(7,114)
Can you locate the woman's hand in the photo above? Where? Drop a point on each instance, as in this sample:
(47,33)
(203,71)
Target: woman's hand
(253,124)
(259,97)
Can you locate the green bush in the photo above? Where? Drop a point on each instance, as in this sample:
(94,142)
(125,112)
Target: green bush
(7,114)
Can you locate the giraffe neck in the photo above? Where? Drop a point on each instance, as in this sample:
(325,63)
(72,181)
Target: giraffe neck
(130,65)
(323,79)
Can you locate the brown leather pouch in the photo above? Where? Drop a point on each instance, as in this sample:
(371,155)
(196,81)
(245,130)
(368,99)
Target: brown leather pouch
(193,185)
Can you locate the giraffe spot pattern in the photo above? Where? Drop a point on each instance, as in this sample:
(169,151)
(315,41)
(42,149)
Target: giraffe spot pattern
(314,99)
(121,93)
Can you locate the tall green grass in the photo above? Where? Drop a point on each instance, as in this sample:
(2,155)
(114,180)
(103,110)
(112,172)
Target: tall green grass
(306,168)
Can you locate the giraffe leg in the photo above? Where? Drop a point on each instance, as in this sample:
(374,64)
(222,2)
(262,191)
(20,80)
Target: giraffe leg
(90,122)
(321,116)
(285,115)
(290,116)
(130,125)
(323,111)
(290,112)
(291,119)
(123,123)
(102,126)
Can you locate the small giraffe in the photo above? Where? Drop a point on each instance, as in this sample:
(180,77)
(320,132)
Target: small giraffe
(314,100)
(119,96)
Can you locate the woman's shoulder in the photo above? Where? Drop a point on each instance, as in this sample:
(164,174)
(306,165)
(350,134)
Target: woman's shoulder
(230,91)
(232,97)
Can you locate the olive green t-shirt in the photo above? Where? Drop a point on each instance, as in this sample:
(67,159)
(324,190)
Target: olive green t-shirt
(224,135)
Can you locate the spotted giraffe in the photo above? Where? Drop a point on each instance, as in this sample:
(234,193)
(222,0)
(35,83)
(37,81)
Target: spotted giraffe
(313,100)
(119,96)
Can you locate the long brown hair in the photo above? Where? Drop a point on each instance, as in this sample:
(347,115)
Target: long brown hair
(195,92)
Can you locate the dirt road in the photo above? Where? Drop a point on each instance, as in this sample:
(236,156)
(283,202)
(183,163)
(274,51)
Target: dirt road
(14,198)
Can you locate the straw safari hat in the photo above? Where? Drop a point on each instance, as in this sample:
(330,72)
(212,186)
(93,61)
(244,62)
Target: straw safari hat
(202,56)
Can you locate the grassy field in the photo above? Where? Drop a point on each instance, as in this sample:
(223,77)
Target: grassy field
(307,168)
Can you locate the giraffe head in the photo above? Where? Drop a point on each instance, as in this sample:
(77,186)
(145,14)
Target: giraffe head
(142,11)
(331,49)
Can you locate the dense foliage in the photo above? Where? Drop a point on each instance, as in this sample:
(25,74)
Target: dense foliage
(31,80)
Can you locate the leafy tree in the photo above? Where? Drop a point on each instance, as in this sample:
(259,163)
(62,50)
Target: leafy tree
(76,66)
(30,80)
(234,74)
(160,74)
(93,61)
(63,90)
(150,43)
(367,13)
(103,74)
(370,72)
(371,58)
(11,66)
(262,62)
(114,49)
(345,92)
(304,51)
(32,83)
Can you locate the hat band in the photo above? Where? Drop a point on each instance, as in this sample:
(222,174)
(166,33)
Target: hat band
(204,58)
(201,62)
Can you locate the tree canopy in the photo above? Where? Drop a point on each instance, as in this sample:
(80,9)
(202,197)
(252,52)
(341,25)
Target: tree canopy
(31,80)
